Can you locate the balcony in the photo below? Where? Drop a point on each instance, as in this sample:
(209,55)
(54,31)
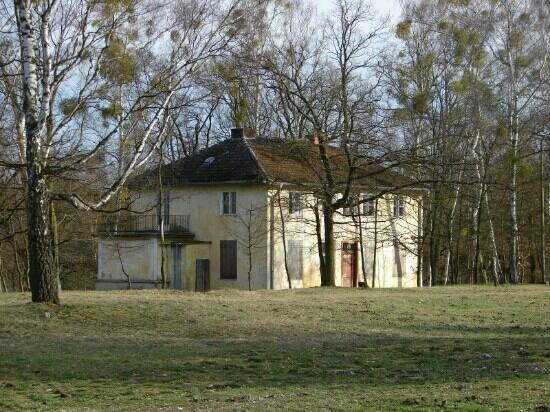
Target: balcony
(143,225)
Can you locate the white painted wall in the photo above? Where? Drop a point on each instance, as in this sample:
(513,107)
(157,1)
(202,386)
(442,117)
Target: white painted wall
(301,226)
(203,204)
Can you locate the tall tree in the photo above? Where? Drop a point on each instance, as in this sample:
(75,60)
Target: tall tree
(61,49)
(330,93)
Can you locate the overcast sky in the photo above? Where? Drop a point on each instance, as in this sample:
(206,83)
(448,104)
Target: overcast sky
(383,6)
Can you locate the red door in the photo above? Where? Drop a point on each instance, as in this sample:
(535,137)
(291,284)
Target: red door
(349,265)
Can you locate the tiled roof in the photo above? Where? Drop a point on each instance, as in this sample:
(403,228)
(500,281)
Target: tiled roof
(228,161)
(299,162)
(269,160)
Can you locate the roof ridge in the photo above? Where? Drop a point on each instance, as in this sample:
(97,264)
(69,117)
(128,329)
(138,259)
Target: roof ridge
(258,162)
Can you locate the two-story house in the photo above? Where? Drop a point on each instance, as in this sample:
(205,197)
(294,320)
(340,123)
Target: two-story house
(245,213)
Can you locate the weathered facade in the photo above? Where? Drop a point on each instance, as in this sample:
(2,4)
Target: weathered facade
(221,216)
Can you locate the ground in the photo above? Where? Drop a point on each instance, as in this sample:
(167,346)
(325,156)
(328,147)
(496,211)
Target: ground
(466,348)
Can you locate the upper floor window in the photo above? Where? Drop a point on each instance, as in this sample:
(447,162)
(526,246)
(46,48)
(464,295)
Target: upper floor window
(352,206)
(229,203)
(295,202)
(369,206)
(399,205)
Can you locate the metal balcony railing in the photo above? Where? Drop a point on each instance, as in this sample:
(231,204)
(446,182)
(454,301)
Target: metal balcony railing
(134,224)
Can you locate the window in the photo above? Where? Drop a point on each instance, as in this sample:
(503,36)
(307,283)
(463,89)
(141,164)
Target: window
(228,259)
(229,203)
(398,206)
(352,207)
(347,211)
(296,259)
(295,202)
(369,207)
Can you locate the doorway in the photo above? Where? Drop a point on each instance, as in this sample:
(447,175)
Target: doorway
(349,264)
(202,281)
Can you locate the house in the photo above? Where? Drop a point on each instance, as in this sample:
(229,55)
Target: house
(240,214)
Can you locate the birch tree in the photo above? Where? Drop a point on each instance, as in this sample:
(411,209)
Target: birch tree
(517,50)
(60,48)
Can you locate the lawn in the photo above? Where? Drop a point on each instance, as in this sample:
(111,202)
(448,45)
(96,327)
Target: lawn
(466,348)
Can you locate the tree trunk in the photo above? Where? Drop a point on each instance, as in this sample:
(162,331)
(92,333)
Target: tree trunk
(162,218)
(434,240)
(128,278)
(514,231)
(43,276)
(329,278)
(320,249)
(375,243)
(420,242)
(283,234)
(484,192)
(3,286)
(450,234)
(542,213)
(363,262)
(55,242)
(249,248)
(477,240)
(15,247)
(513,130)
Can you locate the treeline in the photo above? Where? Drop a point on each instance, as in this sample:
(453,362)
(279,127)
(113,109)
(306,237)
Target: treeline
(455,96)
(472,78)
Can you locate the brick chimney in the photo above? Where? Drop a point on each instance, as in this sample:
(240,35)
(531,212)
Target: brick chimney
(249,133)
(313,138)
(237,133)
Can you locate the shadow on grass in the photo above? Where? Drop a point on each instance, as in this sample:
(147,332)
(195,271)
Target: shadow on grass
(297,360)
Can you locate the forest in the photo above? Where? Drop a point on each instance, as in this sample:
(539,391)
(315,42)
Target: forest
(454,94)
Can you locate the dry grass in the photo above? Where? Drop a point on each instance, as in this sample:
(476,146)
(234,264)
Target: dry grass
(467,348)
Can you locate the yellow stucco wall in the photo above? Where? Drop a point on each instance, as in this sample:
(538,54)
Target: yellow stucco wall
(138,258)
(203,204)
(257,208)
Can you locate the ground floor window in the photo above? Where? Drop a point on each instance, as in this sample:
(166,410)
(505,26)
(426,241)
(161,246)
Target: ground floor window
(296,259)
(228,259)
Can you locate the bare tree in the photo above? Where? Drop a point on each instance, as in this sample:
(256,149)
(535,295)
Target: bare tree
(55,45)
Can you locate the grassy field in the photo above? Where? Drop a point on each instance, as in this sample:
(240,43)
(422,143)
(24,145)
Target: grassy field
(466,348)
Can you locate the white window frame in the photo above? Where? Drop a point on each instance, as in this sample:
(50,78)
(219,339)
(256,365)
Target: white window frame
(398,206)
(347,211)
(232,206)
(351,210)
(293,205)
(369,206)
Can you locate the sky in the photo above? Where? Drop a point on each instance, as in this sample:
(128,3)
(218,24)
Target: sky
(382,6)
